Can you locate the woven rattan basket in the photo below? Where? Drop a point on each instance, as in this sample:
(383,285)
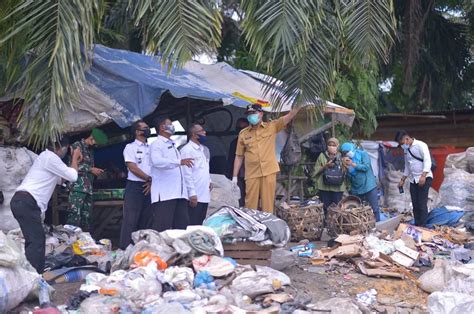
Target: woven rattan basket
(349,220)
(305,222)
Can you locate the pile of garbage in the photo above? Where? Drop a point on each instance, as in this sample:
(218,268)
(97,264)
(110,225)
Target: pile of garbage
(457,188)
(177,271)
(174,271)
(233,224)
(403,254)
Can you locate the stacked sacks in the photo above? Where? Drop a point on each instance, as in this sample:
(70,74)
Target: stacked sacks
(17,277)
(14,165)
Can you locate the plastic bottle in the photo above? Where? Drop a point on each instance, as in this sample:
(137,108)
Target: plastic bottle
(44,299)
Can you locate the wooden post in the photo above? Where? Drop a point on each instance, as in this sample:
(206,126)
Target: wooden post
(288,190)
(333,124)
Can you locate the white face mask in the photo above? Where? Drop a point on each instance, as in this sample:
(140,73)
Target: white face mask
(169,128)
(332,150)
(350,154)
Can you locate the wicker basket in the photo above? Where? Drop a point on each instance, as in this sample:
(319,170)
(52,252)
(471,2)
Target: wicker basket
(305,222)
(347,220)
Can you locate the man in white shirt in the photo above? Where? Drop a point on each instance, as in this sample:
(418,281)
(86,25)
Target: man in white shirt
(418,169)
(137,191)
(168,188)
(198,178)
(32,196)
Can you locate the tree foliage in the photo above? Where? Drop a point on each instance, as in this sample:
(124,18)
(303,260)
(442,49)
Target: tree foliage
(301,43)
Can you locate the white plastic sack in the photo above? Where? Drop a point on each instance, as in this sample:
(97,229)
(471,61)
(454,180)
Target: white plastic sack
(10,254)
(14,165)
(470,159)
(450,303)
(15,285)
(222,194)
(392,197)
(457,189)
(17,277)
(252,284)
(434,279)
(372,148)
(457,161)
(105,304)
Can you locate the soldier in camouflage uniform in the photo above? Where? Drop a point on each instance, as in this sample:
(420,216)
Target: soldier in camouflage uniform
(80,197)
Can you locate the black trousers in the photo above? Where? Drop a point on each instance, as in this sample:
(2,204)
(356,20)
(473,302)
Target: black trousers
(197,214)
(28,214)
(419,200)
(328,198)
(170,214)
(241,185)
(135,206)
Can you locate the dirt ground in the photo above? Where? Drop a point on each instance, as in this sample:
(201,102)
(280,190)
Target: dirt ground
(325,282)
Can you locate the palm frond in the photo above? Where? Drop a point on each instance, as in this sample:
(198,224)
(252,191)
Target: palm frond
(178,30)
(275,29)
(293,43)
(370,27)
(55,33)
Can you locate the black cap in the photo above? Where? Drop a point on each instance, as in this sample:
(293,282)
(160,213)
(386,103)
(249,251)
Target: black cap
(253,108)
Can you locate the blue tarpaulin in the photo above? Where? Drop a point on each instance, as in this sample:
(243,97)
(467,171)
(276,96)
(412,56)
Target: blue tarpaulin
(135,82)
(125,86)
(441,216)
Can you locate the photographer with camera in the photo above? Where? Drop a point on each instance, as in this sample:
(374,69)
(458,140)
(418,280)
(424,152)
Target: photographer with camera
(361,176)
(329,175)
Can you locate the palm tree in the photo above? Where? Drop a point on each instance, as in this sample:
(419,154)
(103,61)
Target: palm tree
(297,42)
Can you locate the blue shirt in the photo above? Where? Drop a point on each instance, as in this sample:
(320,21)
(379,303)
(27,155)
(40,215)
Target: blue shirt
(361,176)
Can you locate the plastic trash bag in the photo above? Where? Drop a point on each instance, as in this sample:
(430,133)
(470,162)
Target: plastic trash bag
(273,274)
(166,308)
(457,189)
(15,285)
(10,254)
(181,278)
(214,265)
(144,258)
(434,279)
(107,304)
(282,258)
(450,303)
(252,284)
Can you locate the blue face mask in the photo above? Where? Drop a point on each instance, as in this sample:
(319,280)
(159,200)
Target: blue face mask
(253,118)
(405,147)
(202,138)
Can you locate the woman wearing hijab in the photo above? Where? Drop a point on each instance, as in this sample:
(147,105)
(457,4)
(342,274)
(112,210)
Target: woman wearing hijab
(329,175)
(361,176)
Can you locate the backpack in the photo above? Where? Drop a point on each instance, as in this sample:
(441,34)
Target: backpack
(433,161)
(291,152)
(335,175)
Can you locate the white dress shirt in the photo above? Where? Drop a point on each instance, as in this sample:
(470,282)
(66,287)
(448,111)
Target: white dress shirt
(197,178)
(43,176)
(415,168)
(138,153)
(166,171)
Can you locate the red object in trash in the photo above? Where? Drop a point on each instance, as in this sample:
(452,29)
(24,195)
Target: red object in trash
(440,154)
(47,310)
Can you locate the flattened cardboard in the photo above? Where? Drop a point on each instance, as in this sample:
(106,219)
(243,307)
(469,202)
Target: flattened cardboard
(402,259)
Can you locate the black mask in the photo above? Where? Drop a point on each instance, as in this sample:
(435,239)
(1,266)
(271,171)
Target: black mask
(146,132)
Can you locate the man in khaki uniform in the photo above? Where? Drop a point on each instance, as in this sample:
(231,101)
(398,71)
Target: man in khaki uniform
(256,145)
